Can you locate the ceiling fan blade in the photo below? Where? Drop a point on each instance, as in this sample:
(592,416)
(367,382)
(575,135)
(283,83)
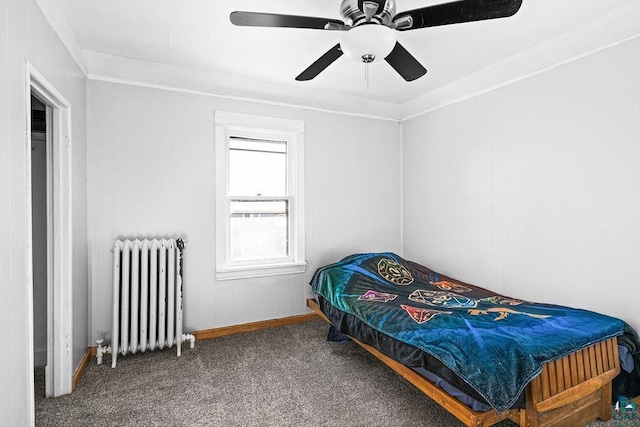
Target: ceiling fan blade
(405,64)
(323,62)
(257,19)
(458,12)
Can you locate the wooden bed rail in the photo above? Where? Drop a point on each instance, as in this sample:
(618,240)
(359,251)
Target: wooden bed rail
(452,405)
(572,390)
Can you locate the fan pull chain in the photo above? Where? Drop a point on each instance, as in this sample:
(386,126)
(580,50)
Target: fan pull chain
(366,74)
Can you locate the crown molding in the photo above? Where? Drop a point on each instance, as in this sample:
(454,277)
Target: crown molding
(203,82)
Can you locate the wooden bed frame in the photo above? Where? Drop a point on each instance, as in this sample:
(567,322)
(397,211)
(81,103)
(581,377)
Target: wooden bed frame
(573,390)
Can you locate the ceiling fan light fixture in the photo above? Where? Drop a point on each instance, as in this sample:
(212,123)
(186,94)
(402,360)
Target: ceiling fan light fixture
(368,43)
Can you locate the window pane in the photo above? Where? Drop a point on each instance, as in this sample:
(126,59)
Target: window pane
(259,230)
(257,167)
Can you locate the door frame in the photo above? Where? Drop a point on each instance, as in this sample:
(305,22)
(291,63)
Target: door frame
(59,370)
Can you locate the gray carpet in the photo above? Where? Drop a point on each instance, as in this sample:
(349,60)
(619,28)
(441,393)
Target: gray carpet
(287,376)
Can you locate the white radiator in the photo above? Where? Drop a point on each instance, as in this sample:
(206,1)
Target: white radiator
(147,297)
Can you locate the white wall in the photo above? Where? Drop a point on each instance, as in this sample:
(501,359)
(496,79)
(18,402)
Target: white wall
(26,36)
(150,165)
(533,189)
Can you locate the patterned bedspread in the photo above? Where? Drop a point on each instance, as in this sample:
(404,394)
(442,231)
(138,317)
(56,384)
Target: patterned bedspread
(496,344)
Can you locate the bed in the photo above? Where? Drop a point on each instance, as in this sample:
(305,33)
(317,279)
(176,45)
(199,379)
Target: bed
(484,357)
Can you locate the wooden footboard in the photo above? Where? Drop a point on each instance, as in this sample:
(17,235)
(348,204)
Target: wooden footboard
(573,390)
(576,389)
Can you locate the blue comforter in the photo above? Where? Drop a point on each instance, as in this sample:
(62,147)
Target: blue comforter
(496,344)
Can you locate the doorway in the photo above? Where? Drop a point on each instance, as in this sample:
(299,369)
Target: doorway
(40,216)
(49,244)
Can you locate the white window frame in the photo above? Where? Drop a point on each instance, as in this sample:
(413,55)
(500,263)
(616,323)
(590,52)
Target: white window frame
(229,124)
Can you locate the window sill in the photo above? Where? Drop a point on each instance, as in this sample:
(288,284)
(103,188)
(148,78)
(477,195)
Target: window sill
(232,273)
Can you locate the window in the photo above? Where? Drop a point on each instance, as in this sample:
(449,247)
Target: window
(259,196)
(258,200)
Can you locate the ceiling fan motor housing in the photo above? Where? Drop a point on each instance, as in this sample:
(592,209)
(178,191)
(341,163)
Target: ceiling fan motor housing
(356,12)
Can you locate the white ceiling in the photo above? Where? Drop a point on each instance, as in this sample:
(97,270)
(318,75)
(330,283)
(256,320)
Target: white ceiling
(191,44)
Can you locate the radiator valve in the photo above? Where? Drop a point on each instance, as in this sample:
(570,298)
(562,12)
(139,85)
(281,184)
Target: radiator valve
(101,350)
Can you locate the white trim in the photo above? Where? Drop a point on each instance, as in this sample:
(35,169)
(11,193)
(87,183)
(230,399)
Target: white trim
(50,248)
(411,108)
(401,149)
(232,123)
(101,78)
(59,371)
(249,272)
(29,258)
(257,123)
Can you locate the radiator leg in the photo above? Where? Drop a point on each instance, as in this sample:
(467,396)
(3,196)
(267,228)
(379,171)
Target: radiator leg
(101,350)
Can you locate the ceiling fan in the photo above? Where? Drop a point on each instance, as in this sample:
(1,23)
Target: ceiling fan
(369,29)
